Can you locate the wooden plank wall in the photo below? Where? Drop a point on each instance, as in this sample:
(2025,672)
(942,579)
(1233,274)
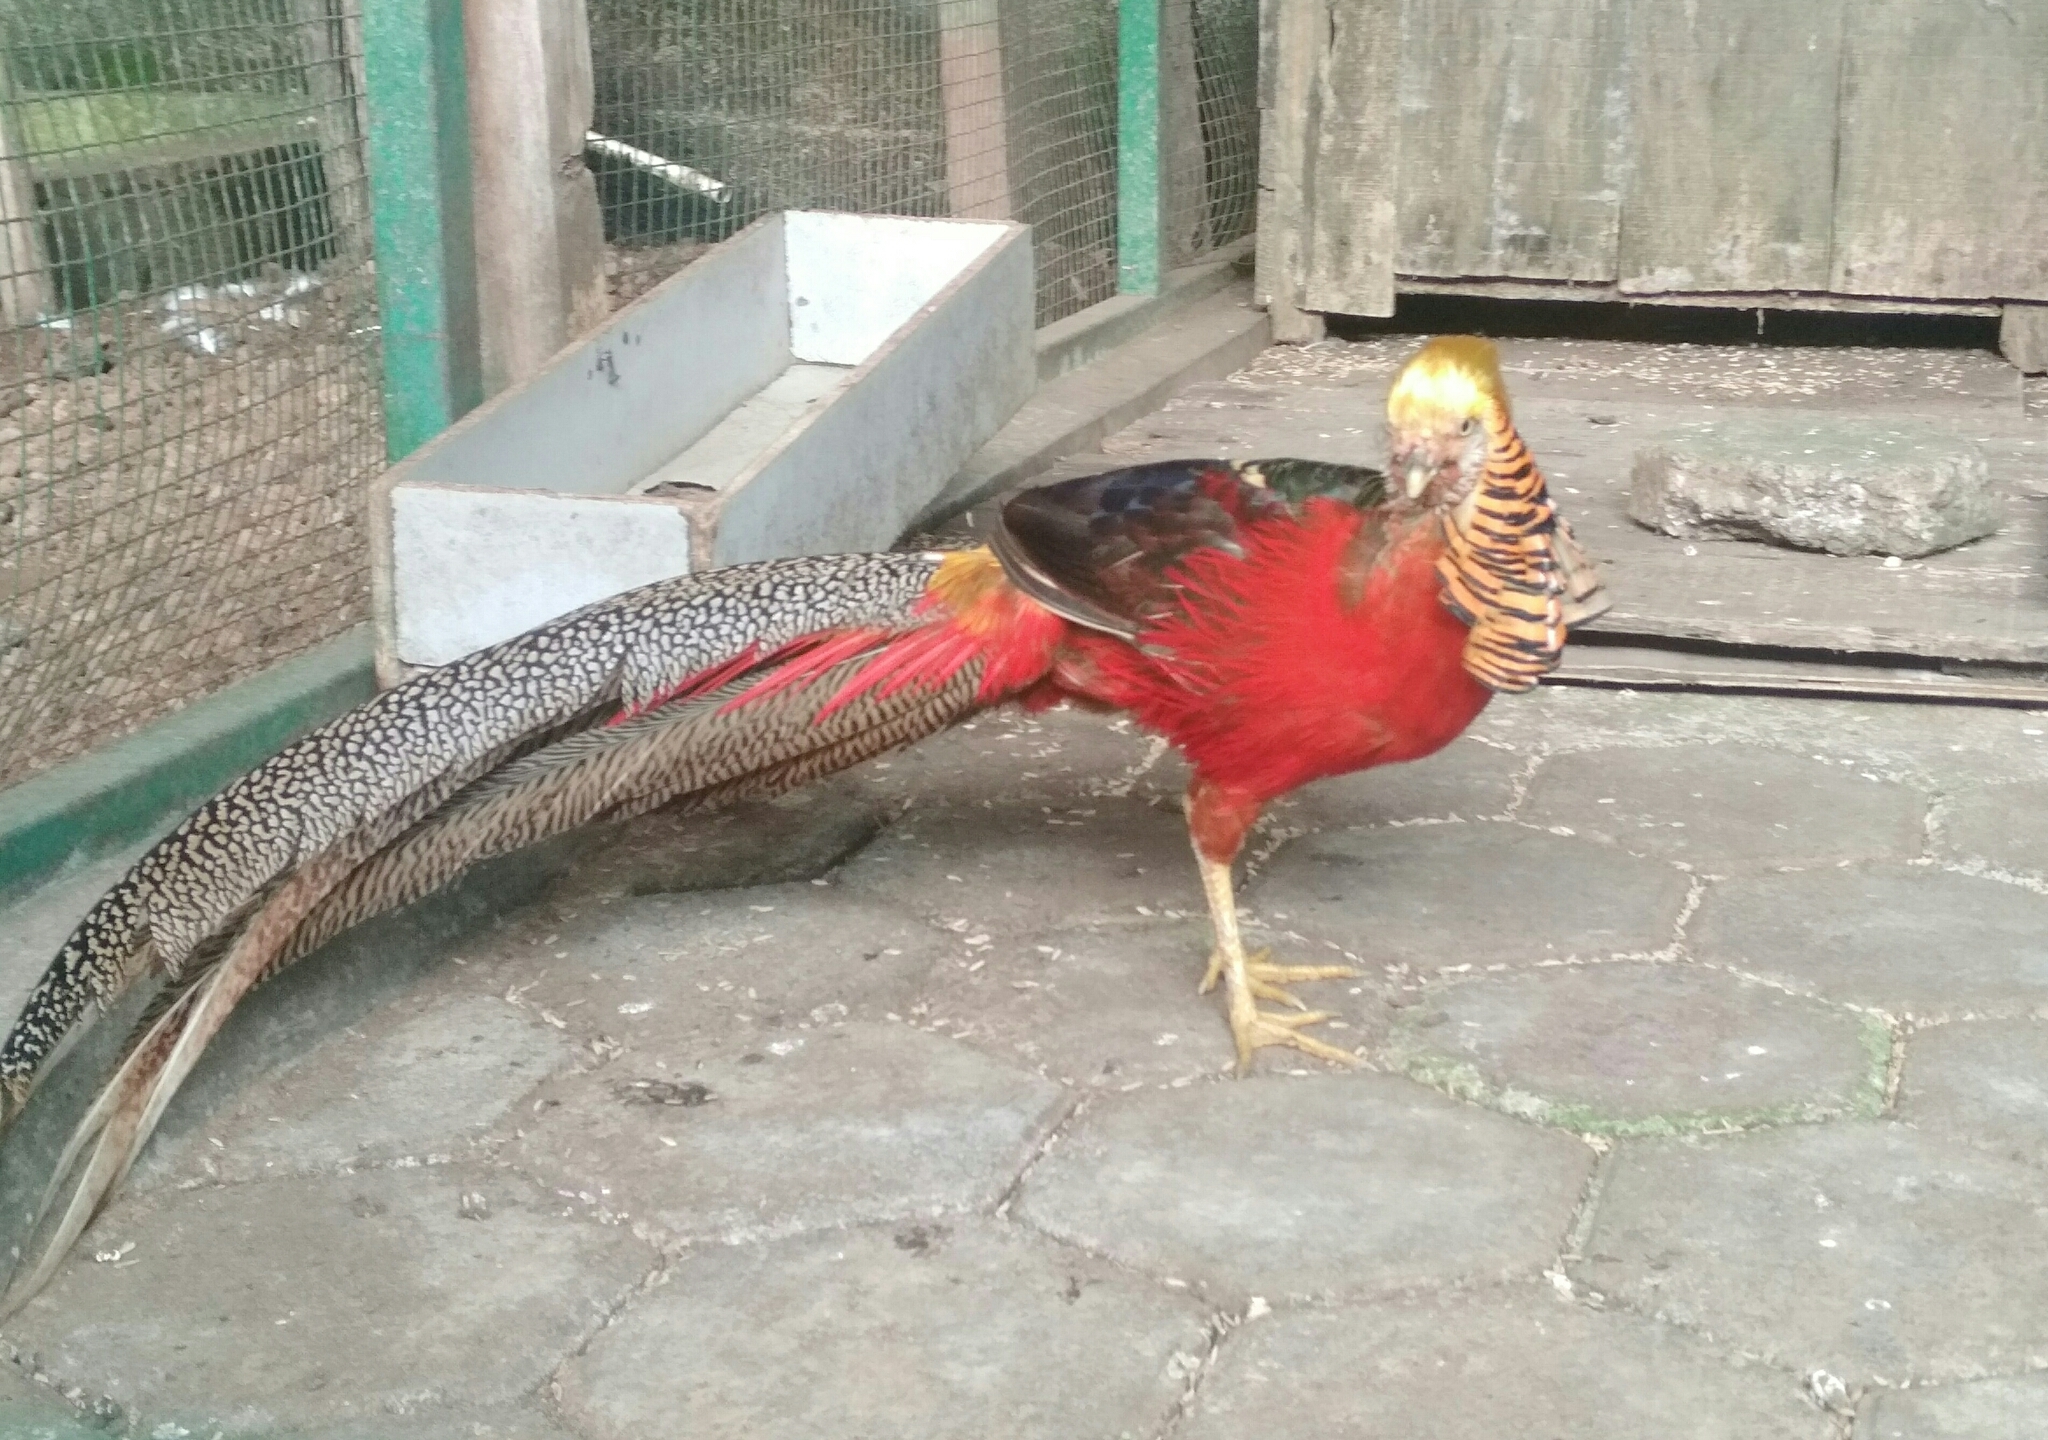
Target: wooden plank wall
(1352,216)
(1944,150)
(1895,149)
(1513,143)
(1732,110)
(1291,40)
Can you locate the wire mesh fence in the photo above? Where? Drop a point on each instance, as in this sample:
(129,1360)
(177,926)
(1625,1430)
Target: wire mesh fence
(189,406)
(714,112)
(188,397)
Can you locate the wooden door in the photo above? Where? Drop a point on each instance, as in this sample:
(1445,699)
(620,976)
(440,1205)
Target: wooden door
(1750,151)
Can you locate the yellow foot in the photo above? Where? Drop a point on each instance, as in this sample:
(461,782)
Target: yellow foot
(1255,1029)
(1267,979)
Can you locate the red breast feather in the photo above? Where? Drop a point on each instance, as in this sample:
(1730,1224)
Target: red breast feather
(1266,678)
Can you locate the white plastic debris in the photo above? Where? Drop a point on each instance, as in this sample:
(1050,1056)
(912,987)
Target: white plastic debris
(1829,1391)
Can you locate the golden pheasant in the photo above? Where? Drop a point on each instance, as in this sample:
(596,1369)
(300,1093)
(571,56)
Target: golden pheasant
(1278,621)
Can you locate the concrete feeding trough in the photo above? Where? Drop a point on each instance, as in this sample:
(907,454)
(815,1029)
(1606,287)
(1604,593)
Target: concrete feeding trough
(807,386)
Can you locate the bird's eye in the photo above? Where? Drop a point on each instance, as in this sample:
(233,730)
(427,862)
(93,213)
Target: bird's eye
(1471,424)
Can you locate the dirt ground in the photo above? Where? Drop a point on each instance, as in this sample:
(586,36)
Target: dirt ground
(181,497)
(180,506)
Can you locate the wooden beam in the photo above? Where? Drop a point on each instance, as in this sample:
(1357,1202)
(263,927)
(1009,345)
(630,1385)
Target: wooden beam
(1291,35)
(539,235)
(1709,299)
(2023,337)
(977,110)
(1609,666)
(25,294)
(1349,215)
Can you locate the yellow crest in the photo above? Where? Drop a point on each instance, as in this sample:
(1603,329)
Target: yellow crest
(1450,378)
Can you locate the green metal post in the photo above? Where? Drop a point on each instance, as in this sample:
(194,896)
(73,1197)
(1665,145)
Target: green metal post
(418,101)
(1137,147)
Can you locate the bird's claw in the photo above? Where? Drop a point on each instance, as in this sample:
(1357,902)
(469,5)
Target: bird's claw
(1267,981)
(1255,1029)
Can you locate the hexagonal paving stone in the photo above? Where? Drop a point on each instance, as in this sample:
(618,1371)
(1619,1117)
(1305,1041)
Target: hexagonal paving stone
(652,971)
(1465,780)
(844,1123)
(1864,1249)
(2003,825)
(1485,1366)
(1906,939)
(2005,1409)
(1446,895)
(1632,1048)
(911,1332)
(1099,1008)
(1276,1186)
(413,1082)
(309,1301)
(1725,808)
(1985,1081)
(1021,867)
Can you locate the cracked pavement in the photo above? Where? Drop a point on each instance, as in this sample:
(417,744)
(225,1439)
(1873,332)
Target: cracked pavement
(1706,1097)
(1707,1093)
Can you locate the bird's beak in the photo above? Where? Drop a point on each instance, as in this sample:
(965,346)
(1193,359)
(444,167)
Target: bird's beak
(1416,472)
(1415,463)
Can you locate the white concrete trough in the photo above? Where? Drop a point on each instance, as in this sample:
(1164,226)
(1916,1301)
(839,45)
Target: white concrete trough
(807,386)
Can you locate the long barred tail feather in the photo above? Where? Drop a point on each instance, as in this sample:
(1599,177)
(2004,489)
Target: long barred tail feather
(416,745)
(747,735)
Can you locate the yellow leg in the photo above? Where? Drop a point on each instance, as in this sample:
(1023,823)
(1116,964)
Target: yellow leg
(1251,1027)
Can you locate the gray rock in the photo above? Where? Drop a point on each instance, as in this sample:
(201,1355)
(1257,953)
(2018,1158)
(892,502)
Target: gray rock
(1103,1008)
(1849,488)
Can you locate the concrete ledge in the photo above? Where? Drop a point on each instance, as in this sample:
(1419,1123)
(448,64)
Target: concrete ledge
(1203,340)
(1066,345)
(124,791)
